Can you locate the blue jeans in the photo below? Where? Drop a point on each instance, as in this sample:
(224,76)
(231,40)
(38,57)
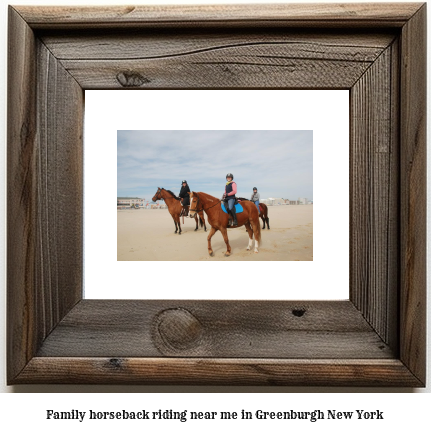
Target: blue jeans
(231,203)
(257,205)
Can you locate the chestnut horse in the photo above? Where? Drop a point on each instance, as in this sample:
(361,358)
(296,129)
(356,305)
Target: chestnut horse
(263,213)
(175,208)
(218,219)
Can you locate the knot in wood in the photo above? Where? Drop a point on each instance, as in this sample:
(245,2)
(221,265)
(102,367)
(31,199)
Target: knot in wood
(178,329)
(298,312)
(131,79)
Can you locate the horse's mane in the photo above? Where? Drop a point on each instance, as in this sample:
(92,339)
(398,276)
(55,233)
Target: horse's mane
(173,195)
(208,195)
(243,199)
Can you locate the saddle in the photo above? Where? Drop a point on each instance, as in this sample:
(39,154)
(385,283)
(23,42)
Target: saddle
(238,208)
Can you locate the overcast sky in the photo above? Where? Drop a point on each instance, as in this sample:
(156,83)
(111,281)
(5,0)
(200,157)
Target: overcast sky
(278,163)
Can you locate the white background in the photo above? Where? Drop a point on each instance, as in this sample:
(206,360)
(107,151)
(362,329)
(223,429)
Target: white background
(324,112)
(404,410)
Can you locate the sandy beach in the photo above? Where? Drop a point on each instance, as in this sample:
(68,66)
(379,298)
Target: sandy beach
(148,235)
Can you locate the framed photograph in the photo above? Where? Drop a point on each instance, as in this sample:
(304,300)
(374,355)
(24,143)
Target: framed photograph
(376,337)
(215,132)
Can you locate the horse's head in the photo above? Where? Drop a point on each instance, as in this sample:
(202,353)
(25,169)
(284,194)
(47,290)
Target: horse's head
(157,196)
(194,203)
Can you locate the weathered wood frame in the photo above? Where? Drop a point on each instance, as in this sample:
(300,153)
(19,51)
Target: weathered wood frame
(376,338)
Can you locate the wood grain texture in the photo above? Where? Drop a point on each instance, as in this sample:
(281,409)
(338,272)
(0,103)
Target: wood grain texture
(44,193)
(198,60)
(198,371)
(139,44)
(413,194)
(227,329)
(56,53)
(59,245)
(21,194)
(308,15)
(205,59)
(374,194)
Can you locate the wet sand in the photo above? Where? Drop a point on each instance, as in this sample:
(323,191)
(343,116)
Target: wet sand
(148,235)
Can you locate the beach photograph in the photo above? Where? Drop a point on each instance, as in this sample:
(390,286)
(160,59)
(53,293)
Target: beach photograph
(173,186)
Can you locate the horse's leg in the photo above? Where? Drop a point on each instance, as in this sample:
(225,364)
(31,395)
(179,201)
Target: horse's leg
(256,243)
(212,232)
(223,231)
(267,221)
(196,220)
(175,222)
(250,235)
(263,219)
(179,224)
(202,221)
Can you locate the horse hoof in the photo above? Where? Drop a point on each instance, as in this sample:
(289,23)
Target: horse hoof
(256,251)
(196,229)
(248,249)
(211,253)
(226,254)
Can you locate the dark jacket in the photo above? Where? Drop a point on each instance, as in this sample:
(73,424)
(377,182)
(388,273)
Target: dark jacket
(183,194)
(228,190)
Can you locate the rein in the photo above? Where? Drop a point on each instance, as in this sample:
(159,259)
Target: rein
(160,195)
(202,209)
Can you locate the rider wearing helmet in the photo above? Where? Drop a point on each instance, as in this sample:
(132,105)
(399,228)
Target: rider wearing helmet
(255,197)
(230,198)
(185,197)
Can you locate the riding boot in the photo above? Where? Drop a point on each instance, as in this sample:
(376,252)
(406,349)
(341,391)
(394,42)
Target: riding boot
(233,212)
(186,210)
(229,218)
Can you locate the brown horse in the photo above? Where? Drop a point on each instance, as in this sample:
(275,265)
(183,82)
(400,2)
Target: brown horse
(263,212)
(175,208)
(218,219)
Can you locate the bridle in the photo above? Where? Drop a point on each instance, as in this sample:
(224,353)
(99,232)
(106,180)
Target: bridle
(196,210)
(159,195)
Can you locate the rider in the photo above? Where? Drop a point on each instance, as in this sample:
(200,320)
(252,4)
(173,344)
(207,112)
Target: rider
(185,197)
(229,195)
(255,198)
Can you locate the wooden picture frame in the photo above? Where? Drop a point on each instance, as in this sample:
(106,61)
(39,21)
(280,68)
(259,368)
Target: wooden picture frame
(376,338)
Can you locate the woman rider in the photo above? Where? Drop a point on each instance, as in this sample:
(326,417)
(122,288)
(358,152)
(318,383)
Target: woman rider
(229,195)
(255,198)
(185,197)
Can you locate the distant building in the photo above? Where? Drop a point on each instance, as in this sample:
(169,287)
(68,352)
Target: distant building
(128,202)
(275,201)
(283,201)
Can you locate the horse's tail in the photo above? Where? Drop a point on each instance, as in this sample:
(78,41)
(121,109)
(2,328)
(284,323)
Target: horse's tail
(257,235)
